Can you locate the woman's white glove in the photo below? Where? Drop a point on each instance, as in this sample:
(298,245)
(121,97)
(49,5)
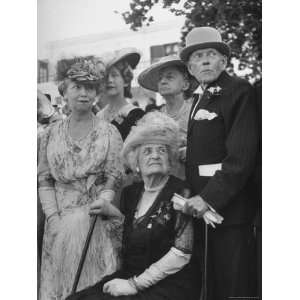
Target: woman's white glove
(53,222)
(48,200)
(169,264)
(119,287)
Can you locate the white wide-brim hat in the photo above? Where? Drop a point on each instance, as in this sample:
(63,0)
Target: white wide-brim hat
(203,38)
(130,55)
(149,78)
(154,128)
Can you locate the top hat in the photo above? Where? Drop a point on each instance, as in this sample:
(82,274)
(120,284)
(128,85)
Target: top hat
(203,38)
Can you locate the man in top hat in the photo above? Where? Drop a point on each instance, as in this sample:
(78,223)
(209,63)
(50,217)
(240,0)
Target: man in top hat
(221,152)
(170,78)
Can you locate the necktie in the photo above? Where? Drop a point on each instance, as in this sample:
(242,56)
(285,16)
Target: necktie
(196,105)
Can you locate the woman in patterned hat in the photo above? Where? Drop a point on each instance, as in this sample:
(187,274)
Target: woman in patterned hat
(157,238)
(79,166)
(119,110)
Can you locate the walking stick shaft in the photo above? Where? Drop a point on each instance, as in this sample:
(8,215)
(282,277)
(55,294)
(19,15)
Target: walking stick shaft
(83,255)
(203,295)
(205,265)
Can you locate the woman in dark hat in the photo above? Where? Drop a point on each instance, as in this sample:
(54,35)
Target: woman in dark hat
(79,165)
(119,111)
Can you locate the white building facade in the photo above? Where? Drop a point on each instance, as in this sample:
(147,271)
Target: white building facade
(96,44)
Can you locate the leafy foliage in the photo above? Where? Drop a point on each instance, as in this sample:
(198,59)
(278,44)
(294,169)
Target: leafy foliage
(239,21)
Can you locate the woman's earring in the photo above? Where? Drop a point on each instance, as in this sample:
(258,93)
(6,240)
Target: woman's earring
(137,169)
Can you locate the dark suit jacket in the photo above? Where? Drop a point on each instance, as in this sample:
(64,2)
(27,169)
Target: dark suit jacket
(231,139)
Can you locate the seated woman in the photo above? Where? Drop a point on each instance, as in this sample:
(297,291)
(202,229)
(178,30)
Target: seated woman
(119,111)
(79,163)
(157,239)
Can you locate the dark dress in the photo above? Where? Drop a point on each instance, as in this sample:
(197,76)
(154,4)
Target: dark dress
(124,126)
(146,240)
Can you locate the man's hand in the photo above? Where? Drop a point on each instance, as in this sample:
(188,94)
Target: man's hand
(195,206)
(119,287)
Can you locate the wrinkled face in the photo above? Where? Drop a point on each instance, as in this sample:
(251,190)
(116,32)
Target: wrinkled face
(171,82)
(115,83)
(153,159)
(80,97)
(206,65)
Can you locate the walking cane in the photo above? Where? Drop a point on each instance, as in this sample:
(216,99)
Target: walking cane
(204,277)
(83,255)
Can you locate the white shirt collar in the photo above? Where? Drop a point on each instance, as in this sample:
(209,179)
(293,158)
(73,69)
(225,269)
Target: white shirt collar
(198,90)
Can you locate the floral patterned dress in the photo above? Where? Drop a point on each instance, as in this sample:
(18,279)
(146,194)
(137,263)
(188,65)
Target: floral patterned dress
(78,171)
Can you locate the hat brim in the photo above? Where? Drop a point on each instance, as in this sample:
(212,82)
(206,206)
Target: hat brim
(88,82)
(148,79)
(221,47)
(132,58)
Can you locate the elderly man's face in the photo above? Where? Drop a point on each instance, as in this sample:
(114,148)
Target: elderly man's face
(206,65)
(153,159)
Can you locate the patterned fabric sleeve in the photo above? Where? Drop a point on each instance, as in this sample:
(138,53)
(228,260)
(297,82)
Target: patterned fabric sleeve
(184,233)
(45,178)
(113,168)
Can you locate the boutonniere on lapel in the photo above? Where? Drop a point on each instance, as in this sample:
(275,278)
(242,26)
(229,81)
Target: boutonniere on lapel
(203,114)
(214,91)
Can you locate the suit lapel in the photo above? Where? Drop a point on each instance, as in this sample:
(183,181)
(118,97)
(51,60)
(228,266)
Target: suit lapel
(207,97)
(202,103)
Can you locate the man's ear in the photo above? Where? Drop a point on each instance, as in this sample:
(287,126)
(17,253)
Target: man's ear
(224,61)
(188,65)
(186,84)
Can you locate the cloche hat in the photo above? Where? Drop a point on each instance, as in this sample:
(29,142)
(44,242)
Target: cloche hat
(203,38)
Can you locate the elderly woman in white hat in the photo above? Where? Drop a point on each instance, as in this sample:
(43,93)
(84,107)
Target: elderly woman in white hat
(170,78)
(221,156)
(119,110)
(158,239)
